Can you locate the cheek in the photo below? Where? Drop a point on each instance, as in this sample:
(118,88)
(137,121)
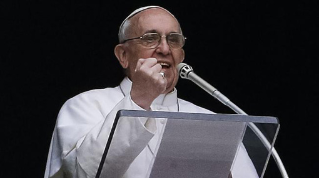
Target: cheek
(139,52)
(174,80)
(133,56)
(178,56)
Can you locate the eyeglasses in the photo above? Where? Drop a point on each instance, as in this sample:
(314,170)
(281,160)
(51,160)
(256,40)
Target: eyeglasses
(152,40)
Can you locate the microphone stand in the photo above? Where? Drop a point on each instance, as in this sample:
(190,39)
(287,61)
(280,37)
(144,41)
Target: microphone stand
(186,72)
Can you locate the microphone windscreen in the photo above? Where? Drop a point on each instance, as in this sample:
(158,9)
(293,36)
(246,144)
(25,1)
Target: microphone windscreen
(180,66)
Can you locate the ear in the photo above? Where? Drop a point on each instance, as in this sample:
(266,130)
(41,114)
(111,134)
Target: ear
(120,54)
(183,55)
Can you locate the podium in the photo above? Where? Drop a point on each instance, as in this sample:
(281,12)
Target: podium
(202,145)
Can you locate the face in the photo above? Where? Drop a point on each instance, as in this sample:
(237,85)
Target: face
(159,21)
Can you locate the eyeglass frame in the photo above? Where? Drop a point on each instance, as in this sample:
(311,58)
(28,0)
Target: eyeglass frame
(159,41)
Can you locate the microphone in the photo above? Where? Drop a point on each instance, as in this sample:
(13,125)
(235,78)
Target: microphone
(186,72)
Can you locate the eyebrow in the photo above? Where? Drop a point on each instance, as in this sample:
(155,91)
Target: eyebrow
(151,31)
(155,31)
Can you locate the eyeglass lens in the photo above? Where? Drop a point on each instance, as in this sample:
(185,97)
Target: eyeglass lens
(152,40)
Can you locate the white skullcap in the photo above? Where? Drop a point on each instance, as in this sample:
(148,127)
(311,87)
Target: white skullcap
(138,11)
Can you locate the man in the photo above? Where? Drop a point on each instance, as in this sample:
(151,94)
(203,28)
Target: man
(150,48)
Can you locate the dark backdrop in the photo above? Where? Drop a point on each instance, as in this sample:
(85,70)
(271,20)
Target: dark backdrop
(261,54)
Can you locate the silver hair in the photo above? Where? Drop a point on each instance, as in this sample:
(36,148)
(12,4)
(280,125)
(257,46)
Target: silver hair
(126,22)
(123,30)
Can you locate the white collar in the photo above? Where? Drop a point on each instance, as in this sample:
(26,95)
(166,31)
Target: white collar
(167,100)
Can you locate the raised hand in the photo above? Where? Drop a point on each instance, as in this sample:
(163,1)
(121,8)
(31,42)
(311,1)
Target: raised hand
(148,83)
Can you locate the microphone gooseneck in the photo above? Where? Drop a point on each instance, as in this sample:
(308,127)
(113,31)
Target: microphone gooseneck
(186,72)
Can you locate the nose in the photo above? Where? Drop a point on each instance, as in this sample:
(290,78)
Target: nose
(163,46)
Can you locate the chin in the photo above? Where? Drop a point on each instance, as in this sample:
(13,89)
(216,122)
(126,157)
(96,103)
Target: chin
(170,87)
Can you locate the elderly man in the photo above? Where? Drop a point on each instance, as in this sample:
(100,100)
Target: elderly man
(150,48)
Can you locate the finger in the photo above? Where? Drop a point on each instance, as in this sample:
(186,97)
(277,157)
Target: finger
(156,68)
(151,66)
(150,62)
(162,82)
(139,64)
(162,74)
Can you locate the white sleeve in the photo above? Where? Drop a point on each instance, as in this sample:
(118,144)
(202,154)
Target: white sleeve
(243,166)
(81,134)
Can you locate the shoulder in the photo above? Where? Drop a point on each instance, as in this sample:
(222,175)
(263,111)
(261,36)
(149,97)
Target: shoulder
(97,99)
(98,95)
(186,106)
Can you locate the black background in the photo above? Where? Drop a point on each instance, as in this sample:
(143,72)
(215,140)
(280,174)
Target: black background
(260,54)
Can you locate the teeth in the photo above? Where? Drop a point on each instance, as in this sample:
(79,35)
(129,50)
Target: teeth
(164,64)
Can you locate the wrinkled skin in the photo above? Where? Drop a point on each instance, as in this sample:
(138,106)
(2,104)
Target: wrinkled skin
(143,65)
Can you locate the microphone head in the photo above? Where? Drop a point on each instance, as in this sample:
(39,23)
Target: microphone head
(184,69)
(180,66)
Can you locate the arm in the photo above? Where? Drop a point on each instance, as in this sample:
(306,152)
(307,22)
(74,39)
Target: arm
(84,125)
(82,131)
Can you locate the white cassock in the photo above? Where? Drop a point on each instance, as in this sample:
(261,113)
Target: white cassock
(83,126)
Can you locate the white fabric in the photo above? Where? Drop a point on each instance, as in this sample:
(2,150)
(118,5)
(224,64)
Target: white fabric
(84,123)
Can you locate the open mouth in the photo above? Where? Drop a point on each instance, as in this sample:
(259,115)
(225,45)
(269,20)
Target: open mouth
(164,65)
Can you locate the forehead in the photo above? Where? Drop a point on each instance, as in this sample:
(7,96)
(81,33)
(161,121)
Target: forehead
(155,19)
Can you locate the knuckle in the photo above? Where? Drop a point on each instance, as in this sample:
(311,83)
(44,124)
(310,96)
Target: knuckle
(141,60)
